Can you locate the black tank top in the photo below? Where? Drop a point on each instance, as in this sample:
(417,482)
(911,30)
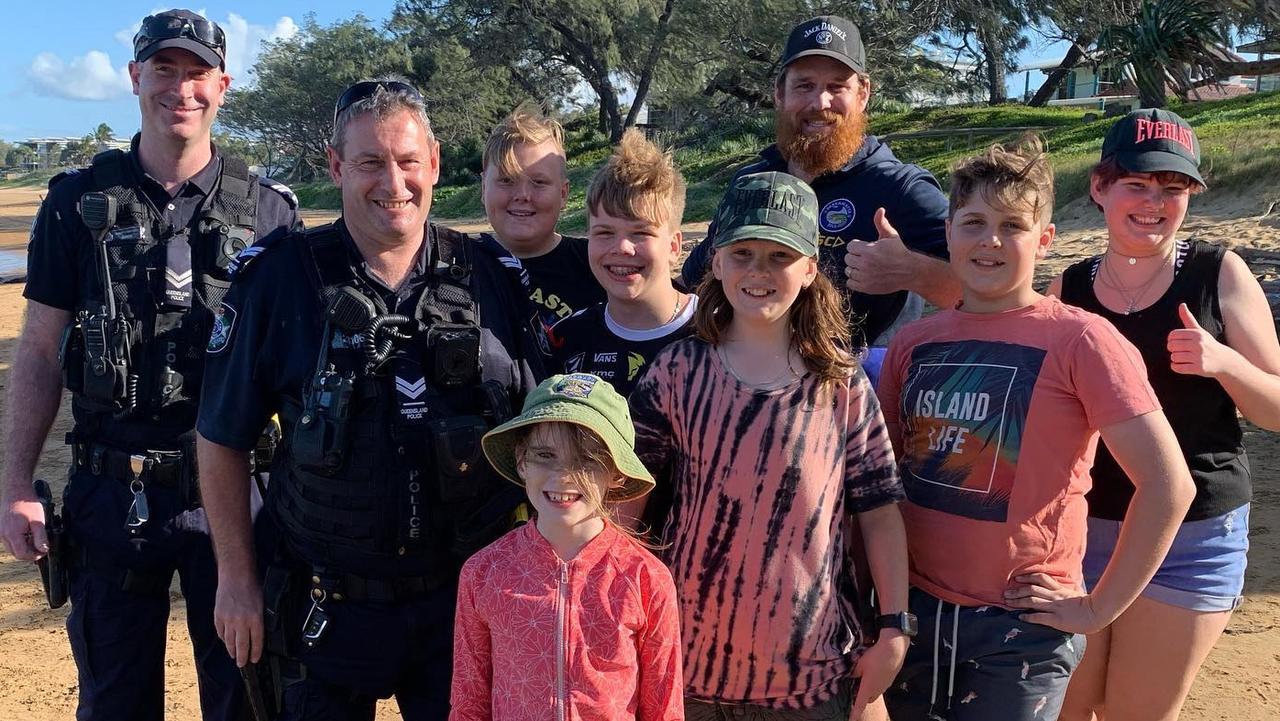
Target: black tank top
(1203,416)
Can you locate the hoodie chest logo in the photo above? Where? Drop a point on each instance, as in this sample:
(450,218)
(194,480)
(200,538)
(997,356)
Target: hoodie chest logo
(837,215)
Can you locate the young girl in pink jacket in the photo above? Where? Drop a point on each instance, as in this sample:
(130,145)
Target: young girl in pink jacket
(568,616)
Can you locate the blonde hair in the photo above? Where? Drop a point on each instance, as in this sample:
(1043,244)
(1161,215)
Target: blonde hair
(639,181)
(1012,176)
(526,125)
(818,320)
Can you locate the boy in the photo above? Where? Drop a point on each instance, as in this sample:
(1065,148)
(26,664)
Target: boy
(994,410)
(634,206)
(524,187)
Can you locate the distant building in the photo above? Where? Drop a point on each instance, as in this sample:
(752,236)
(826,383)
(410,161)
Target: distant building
(1109,87)
(960,88)
(1262,48)
(49,150)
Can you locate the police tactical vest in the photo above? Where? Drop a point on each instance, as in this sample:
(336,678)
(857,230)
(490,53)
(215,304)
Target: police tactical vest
(166,282)
(381,472)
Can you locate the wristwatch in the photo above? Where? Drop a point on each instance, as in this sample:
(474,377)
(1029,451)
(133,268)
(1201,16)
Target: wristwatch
(904,622)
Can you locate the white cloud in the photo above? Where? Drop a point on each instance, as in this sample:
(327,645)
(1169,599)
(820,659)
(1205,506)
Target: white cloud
(92,77)
(89,77)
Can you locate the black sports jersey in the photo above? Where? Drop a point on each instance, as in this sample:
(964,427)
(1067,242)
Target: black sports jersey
(561,280)
(590,341)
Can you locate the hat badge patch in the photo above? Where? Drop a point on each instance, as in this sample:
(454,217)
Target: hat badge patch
(837,215)
(823,37)
(575,385)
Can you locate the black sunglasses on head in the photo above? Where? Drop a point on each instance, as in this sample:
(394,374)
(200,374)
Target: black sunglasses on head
(367,89)
(166,27)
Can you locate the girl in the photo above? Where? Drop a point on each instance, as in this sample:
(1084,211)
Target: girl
(1205,332)
(568,616)
(774,444)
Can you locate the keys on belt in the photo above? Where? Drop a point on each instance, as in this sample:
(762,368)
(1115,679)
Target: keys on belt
(139,510)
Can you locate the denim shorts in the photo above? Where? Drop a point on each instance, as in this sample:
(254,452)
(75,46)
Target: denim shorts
(1204,570)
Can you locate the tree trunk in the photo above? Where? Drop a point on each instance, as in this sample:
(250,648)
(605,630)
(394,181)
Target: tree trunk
(602,118)
(993,51)
(651,62)
(1050,84)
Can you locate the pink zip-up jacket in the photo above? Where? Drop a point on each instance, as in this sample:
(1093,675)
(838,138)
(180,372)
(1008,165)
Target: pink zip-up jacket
(539,639)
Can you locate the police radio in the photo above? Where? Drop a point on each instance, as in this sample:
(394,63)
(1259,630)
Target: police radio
(320,438)
(105,334)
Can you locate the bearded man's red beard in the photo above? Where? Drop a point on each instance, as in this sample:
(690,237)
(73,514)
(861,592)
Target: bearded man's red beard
(824,152)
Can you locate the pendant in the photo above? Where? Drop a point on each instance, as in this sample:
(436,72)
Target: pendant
(1133,261)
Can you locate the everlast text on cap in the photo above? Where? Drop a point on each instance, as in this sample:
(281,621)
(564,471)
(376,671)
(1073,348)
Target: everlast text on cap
(830,36)
(1154,140)
(769,206)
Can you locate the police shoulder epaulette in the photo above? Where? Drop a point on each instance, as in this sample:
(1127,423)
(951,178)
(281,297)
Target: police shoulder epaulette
(245,257)
(280,188)
(62,176)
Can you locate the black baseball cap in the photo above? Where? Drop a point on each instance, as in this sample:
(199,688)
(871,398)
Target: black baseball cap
(1152,140)
(828,35)
(184,30)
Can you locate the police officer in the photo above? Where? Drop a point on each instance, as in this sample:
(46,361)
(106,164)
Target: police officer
(400,344)
(881,221)
(127,259)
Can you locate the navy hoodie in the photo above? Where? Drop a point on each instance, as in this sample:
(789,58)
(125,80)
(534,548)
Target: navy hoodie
(847,203)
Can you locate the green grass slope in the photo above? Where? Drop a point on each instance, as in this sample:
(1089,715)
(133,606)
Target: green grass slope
(1239,138)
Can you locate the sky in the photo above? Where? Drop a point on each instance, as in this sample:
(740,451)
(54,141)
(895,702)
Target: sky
(63,63)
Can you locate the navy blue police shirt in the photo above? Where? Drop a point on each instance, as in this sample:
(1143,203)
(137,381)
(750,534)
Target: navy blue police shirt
(62,262)
(847,202)
(273,325)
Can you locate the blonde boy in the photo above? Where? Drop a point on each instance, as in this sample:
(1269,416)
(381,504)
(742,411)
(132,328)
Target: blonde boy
(524,187)
(634,207)
(995,409)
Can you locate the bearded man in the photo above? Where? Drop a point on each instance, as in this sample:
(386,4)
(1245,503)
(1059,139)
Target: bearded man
(882,222)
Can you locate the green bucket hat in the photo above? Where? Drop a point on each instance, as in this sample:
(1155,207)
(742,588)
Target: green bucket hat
(585,400)
(769,206)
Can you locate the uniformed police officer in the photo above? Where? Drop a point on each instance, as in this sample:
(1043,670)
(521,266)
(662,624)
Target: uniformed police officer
(127,259)
(387,359)
(881,221)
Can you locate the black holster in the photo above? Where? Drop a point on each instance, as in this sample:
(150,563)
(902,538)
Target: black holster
(53,566)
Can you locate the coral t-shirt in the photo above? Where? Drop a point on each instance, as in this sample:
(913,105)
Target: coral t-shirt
(997,416)
(765,487)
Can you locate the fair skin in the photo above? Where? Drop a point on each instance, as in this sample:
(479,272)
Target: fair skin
(762,281)
(178,96)
(386,171)
(994,252)
(523,207)
(1143,664)
(816,85)
(632,259)
(566,517)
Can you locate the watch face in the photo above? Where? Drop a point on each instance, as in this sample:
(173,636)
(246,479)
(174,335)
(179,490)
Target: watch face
(904,622)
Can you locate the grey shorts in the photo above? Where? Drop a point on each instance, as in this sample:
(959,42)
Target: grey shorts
(980,663)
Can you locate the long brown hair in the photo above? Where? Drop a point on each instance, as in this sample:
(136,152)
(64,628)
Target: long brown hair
(818,321)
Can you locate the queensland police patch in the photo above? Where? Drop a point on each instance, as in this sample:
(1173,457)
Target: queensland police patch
(223,323)
(837,215)
(575,385)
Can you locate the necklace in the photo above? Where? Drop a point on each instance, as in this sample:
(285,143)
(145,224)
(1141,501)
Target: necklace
(783,378)
(1133,298)
(675,312)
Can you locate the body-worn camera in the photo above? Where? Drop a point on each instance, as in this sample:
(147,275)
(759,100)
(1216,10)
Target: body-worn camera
(455,355)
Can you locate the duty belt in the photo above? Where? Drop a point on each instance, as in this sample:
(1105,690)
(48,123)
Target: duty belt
(165,468)
(349,587)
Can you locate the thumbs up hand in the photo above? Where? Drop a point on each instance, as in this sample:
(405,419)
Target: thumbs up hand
(1192,351)
(881,267)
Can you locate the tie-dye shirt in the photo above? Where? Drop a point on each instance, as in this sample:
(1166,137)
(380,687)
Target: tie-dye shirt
(765,485)
(998,417)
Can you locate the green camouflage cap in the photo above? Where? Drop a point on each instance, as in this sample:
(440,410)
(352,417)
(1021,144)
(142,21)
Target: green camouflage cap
(585,400)
(769,206)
